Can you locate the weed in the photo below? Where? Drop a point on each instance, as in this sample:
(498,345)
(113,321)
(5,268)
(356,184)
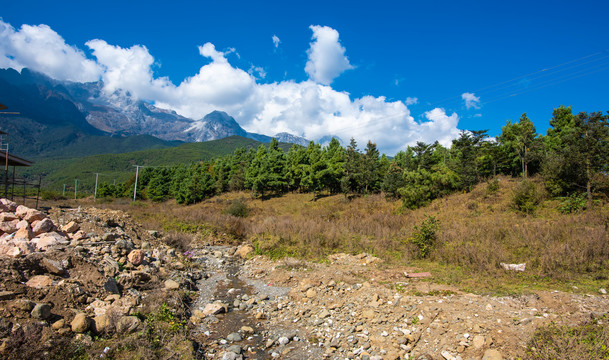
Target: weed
(589,340)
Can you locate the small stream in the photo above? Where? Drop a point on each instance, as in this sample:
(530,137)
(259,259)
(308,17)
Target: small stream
(226,286)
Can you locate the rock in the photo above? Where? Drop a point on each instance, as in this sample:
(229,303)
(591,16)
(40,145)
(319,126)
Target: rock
(128,324)
(171,284)
(21,211)
(101,324)
(233,337)
(70,227)
(8,205)
(22,224)
(283,340)
(41,311)
(244,250)
(311,293)
(53,266)
(47,240)
(7,295)
(23,305)
(136,257)
(602,291)
(43,226)
(80,323)
(213,309)
(324,314)
(111,286)
(24,233)
(9,227)
(229,355)
(478,341)
(235,349)
(39,282)
(368,314)
(32,215)
(247,329)
(58,324)
(492,354)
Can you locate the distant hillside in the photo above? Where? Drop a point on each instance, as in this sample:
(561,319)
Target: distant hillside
(119,167)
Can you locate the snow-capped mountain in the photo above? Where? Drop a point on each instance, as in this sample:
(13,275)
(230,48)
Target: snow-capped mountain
(117,114)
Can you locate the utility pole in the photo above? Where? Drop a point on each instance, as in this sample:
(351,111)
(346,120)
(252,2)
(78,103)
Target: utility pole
(137,169)
(75,187)
(95,194)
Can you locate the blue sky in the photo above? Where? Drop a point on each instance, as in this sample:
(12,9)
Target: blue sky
(384,55)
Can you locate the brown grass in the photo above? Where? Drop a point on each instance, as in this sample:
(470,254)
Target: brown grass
(478,231)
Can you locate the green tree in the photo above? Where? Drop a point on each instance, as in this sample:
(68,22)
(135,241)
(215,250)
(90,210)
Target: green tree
(352,181)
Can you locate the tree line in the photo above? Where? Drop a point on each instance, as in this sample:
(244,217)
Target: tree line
(571,158)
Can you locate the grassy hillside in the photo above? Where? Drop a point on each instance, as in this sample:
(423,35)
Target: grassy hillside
(119,167)
(477,231)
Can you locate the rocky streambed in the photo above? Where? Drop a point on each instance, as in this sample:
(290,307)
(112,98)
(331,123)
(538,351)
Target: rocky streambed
(100,273)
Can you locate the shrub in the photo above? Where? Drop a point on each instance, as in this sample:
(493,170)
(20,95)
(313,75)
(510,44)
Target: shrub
(424,236)
(573,203)
(526,197)
(237,208)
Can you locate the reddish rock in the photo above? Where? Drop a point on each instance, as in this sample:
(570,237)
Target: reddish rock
(7,216)
(70,227)
(39,281)
(244,251)
(9,205)
(79,235)
(46,240)
(43,226)
(33,215)
(21,211)
(24,234)
(9,227)
(136,257)
(21,224)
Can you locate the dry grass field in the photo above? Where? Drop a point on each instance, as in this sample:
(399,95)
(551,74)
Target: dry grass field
(476,232)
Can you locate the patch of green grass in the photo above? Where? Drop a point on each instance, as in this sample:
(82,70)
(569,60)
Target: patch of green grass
(589,340)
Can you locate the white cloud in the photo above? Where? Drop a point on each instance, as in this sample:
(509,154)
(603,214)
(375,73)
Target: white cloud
(412,100)
(41,49)
(327,58)
(276,41)
(257,70)
(310,108)
(471,100)
(130,70)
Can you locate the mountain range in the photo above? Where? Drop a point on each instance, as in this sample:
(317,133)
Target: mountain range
(69,119)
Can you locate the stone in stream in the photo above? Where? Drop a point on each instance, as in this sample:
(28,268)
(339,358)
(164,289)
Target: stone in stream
(234,337)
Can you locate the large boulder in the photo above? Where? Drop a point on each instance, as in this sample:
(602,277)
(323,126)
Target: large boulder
(43,226)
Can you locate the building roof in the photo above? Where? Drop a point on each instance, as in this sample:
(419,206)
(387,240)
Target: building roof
(13,160)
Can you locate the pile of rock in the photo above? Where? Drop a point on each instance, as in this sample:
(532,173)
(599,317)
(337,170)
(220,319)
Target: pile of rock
(24,230)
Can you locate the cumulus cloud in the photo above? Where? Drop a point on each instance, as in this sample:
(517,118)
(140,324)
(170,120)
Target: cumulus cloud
(41,49)
(276,41)
(471,100)
(311,108)
(327,58)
